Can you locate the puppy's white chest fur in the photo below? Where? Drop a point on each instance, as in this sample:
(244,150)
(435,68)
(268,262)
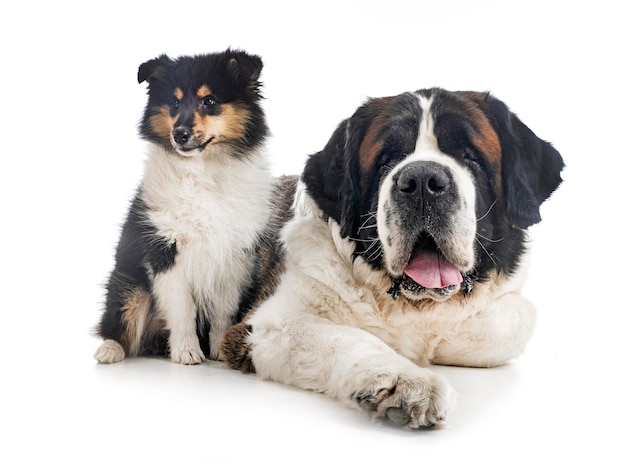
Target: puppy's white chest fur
(191,197)
(213,209)
(220,201)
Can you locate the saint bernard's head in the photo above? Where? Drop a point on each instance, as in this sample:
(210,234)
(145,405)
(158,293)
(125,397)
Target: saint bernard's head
(435,187)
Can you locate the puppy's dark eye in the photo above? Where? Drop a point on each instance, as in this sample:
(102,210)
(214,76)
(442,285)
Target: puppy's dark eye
(176,103)
(208,102)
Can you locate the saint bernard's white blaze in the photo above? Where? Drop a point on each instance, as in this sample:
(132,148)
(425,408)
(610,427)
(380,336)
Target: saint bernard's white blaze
(463,223)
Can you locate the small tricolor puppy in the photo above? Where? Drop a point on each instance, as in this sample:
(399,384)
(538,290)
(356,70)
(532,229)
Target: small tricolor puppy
(407,247)
(187,249)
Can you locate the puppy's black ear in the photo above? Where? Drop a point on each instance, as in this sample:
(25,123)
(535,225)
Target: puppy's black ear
(531,167)
(245,68)
(332,176)
(154,69)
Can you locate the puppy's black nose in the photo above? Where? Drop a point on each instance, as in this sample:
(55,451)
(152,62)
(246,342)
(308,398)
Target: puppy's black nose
(424,180)
(181,135)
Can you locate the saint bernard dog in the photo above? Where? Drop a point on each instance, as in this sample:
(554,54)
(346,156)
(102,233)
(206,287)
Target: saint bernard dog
(406,245)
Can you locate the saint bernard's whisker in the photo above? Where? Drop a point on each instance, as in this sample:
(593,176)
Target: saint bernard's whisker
(488,211)
(490,255)
(364,240)
(490,240)
(374,242)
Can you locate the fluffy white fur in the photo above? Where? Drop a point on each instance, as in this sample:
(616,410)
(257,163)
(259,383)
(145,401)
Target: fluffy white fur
(195,202)
(332,328)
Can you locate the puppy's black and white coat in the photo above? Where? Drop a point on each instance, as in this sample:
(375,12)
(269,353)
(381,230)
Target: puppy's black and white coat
(186,251)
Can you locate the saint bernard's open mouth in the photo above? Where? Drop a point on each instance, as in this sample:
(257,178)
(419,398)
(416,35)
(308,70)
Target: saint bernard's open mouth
(429,274)
(428,267)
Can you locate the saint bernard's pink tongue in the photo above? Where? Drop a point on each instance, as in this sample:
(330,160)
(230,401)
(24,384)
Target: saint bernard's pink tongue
(431,270)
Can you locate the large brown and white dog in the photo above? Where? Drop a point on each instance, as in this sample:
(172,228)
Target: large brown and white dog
(407,246)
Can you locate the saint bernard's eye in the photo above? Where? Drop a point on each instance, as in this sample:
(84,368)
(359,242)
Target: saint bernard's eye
(471,156)
(387,160)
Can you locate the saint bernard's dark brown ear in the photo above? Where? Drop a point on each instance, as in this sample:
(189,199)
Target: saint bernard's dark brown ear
(531,167)
(332,176)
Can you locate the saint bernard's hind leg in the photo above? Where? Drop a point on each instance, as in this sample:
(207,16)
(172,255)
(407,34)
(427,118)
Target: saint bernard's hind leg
(346,363)
(492,336)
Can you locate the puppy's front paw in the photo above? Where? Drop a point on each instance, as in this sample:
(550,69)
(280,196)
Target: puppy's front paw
(411,399)
(109,352)
(187,355)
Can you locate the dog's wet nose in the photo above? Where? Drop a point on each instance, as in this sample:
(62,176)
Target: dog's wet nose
(425,179)
(181,135)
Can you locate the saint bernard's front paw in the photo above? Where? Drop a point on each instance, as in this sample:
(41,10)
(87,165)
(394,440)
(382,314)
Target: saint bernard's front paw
(413,399)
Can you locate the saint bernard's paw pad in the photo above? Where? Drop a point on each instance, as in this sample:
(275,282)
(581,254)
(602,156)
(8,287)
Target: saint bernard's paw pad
(413,400)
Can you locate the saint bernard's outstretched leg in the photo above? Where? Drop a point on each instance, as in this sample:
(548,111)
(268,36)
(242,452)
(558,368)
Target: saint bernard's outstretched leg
(492,336)
(349,364)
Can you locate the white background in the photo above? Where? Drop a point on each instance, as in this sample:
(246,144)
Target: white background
(71,160)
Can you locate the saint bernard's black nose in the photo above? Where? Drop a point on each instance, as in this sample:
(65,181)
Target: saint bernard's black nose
(426,181)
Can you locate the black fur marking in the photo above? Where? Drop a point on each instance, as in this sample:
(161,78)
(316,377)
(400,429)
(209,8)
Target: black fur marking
(395,290)
(531,167)
(140,254)
(140,248)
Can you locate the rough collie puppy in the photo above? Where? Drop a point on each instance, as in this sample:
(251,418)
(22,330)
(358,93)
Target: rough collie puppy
(186,251)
